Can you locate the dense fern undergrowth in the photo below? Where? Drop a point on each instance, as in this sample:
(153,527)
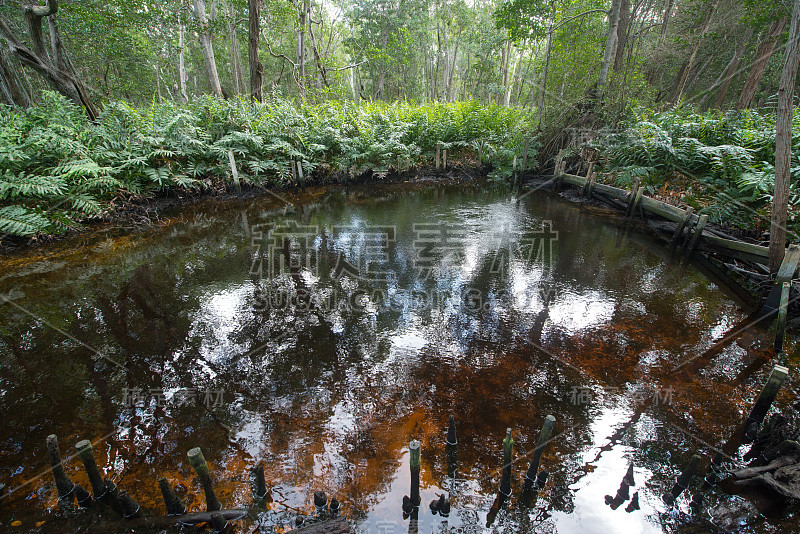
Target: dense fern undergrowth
(58,168)
(720,163)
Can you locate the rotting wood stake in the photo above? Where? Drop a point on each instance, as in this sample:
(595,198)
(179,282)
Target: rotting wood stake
(65,486)
(260,490)
(762,405)
(130,508)
(683,480)
(438,152)
(171,501)
(234,172)
(200,466)
(444,159)
(452,448)
(84,450)
(698,231)
(780,322)
(544,437)
(681,225)
(505,481)
(414,462)
(525,158)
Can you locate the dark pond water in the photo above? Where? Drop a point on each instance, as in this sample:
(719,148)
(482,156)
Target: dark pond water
(319,333)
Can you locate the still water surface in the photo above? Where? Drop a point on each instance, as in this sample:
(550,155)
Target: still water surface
(319,333)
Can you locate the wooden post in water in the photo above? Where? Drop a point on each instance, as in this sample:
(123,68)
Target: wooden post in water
(780,322)
(514,171)
(171,501)
(294,175)
(444,159)
(84,450)
(525,159)
(398,165)
(452,448)
(112,496)
(83,496)
(636,201)
(762,405)
(632,197)
(480,153)
(300,175)
(130,508)
(438,152)
(544,437)
(65,486)
(505,481)
(200,466)
(260,483)
(683,480)
(414,461)
(234,172)
(681,225)
(698,231)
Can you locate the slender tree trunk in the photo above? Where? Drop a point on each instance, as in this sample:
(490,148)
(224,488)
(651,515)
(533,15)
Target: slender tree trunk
(679,89)
(765,52)
(452,71)
(14,93)
(622,32)
(182,62)
(510,86)
(731,69)
(158,83)
(236,58)
(207,46)
(665,20)
(301,46)
(321,70)
(783,144)
(253,33)
(611,45)
(543,88)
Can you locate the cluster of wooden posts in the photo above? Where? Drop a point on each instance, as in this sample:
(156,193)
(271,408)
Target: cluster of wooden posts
(106,496)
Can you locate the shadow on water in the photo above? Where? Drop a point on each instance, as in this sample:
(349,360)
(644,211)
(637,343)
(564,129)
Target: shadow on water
(321,332)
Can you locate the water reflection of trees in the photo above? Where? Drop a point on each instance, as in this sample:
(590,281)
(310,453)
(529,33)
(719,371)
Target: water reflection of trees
(296,377)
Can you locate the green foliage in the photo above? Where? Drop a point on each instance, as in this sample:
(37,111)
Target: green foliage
(727,159)
(58,167)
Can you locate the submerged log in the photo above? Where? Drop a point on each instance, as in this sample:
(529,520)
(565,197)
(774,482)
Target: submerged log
(781,476)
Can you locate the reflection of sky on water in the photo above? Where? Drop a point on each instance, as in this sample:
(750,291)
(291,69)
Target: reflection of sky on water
(329,396)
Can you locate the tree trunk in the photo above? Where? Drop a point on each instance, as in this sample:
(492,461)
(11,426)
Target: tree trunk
(452,71)
(13,92)
(665,20)
(783,144)
(760,64)
(731,70)
(548,48)
(236,58)
(680,87)
(611,45)
(253,33)
(207,47)
(301,46)
(622,32)
(182,62)
(62,75)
